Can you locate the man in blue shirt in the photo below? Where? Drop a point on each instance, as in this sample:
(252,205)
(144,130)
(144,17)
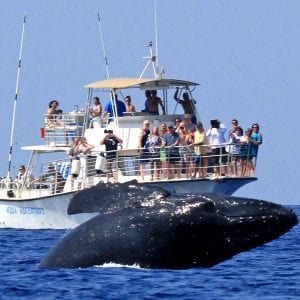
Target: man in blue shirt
(108,109)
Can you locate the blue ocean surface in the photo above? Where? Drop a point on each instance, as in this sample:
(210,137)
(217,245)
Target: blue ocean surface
(271,271)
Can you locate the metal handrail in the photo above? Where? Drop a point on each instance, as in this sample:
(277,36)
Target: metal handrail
(61,129)
(126,166)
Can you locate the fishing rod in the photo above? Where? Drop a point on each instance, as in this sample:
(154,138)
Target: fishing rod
(103,48)
(112,93)
(15,104)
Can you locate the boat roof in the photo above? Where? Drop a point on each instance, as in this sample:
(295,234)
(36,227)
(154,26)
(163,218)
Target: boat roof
(46,148)
(142,83)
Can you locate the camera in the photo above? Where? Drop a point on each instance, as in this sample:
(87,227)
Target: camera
(215,123)
(108,131)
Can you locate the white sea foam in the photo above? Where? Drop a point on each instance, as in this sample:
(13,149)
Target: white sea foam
(114,265)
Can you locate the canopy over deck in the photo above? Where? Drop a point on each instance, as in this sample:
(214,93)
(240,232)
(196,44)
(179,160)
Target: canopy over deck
(143,83)
(46,149)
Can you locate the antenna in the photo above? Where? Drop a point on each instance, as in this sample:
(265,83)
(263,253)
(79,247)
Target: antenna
(15,105)
(156,35)
(153,58)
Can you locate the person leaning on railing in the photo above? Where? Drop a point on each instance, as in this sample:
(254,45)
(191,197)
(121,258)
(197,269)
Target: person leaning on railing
(171,142)
(237,139)
(246,159)
(256,141)
(153,145)
(23,178)
(143,151)
(163,152)
(52,177)
(200,152)
(216,138)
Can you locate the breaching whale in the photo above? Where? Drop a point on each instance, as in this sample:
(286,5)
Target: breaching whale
(145,225)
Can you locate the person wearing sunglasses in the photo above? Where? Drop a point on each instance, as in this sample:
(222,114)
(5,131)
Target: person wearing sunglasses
(256,140)
(234,125)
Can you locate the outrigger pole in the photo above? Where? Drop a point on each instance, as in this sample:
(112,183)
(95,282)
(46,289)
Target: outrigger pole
(15,105)
(112,94)
(103,48)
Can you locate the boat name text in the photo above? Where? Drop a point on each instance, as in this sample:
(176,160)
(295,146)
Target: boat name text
(25,210)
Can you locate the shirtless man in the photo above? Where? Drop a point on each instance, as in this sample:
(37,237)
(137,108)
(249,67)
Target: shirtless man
(152,102)
(188,104)
(129,106)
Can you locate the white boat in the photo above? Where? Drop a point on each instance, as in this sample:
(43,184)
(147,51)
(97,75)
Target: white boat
(42,204)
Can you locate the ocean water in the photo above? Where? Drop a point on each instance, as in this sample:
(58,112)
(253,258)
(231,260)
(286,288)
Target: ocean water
(271,271)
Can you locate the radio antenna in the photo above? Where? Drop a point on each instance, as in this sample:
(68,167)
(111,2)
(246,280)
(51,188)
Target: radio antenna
(15,105)
(156,36)
(153,58)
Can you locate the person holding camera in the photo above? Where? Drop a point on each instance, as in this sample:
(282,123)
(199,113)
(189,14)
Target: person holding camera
(111,142)
(53,112)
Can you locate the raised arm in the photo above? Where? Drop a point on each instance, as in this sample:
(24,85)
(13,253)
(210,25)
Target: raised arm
(176,94)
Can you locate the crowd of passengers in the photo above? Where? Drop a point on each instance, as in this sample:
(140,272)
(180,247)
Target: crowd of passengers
(185,149)
(98,115)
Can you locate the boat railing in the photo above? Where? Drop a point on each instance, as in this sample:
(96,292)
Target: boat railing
(51,181)
(60,129)
(144,165)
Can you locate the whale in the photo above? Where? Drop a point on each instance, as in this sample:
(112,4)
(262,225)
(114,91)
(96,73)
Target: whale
(144,225)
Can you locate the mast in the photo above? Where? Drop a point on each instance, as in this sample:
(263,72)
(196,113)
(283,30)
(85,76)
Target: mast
(15,104)
(156,39)
(153,58)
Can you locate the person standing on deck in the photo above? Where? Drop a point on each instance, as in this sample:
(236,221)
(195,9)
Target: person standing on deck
(143,152)
(108,109)
(111,142)
(256,140)
(96,113)
(188,105)
(200,152)
(171,143)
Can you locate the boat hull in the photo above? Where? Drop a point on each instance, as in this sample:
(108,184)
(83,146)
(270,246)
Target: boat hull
(50,212)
